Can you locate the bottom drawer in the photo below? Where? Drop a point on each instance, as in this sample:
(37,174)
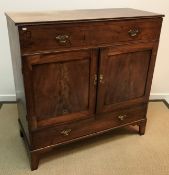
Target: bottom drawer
(71,131)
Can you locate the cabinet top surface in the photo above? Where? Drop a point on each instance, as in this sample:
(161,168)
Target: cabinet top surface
(78,15)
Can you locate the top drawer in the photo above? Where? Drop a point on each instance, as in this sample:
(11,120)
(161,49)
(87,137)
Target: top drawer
(124,31)
(38,38)
(52,37)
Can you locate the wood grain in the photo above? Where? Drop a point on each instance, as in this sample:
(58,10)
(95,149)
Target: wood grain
(54,136)
(125,70)
(82,15)
(129,71)
(62,86)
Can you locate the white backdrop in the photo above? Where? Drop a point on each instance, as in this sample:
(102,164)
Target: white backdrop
(160,86)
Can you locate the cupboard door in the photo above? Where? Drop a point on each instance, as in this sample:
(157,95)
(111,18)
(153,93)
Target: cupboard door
(61,86)
(125,75)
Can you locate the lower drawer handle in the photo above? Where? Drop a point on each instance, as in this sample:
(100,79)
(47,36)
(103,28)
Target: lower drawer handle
(66,132)
(122,117)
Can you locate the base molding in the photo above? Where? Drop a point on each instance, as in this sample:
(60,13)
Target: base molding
(153,96)
(160,96)
(161,100)
(164,97)
(7,97)
(157,97)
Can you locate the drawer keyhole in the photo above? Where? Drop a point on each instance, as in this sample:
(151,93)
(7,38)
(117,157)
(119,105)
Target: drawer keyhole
(65,111)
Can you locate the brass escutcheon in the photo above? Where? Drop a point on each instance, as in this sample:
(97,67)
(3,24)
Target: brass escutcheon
(66,132)
(122,117)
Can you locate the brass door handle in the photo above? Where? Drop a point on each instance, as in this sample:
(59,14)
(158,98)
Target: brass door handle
(101,79)
(133,32)
(63,39)
(66,132)
(95,79)
(122,117)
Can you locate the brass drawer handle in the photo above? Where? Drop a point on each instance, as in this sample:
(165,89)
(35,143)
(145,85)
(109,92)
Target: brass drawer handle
(133,32)
(122,117)
(66,132)
(63,39)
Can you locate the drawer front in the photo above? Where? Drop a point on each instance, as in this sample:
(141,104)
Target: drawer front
(42,38)
(122,31)
(46,38)
(64,133)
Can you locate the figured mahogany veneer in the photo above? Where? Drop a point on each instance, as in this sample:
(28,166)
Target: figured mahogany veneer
(81,73)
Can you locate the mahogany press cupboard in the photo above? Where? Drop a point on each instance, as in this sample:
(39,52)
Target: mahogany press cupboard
(81,73)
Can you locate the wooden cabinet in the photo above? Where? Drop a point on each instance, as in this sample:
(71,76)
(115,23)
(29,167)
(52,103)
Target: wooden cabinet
(81,73)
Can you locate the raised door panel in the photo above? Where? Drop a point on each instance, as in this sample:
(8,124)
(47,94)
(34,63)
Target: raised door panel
(62,88)
(125,72)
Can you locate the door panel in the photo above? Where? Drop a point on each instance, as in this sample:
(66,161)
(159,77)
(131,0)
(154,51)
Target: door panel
(59,91)
(62,86)
(124,71)
(129,71)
